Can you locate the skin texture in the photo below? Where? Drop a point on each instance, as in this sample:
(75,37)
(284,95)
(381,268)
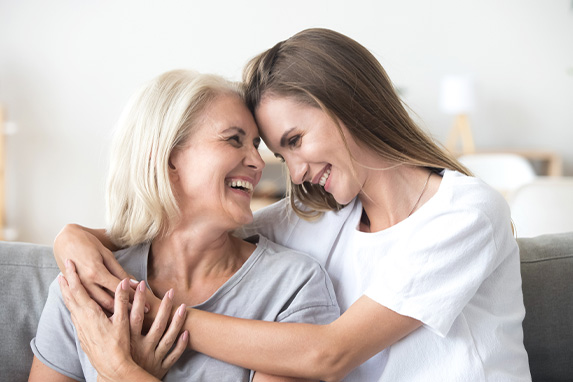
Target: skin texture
(199,252)
(305,137)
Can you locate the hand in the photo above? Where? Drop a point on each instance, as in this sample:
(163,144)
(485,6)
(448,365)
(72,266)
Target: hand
(152,351)
(97,268)
(106,341)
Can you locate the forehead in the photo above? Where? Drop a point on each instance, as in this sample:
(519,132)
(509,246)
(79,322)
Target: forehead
(276,114)
(226,111)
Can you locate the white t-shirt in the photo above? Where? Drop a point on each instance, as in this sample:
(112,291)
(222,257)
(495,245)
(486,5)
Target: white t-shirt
(453,265)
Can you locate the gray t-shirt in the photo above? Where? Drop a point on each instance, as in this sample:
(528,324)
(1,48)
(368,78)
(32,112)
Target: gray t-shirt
(274,284)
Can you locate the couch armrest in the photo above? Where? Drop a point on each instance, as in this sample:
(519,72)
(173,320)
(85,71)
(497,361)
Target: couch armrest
(547,275)
(26,271)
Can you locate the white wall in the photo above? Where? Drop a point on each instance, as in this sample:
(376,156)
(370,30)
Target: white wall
(68,66)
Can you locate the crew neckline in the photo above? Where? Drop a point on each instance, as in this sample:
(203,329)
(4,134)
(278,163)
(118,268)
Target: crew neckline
(440,193)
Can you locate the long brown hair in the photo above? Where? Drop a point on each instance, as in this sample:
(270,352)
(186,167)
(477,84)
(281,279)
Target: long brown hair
(331,71)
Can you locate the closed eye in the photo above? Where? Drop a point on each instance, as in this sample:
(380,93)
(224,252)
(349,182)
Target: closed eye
(294,141)
(280,157)
(235,140)
(257,142)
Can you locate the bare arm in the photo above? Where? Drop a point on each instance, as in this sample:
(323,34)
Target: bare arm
(112,344)
(42,373)
(260,377)
(326,352)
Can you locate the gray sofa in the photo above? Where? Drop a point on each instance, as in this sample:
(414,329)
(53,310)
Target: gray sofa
(26,270)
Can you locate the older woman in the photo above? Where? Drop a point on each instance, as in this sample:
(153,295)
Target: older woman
(183,167)
(421,254)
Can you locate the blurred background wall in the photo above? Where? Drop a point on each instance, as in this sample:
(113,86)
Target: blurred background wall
(67,67)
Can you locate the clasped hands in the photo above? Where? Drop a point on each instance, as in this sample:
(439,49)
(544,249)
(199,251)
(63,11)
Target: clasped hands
(116,345)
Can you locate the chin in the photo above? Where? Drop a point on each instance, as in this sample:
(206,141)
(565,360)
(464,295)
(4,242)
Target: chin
(244,218)
(343,199)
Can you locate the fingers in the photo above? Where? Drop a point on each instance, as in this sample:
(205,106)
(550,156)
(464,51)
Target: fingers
(102,297)
(120,316)
(69,299)
(160,323)
(136,316)
(170,336)
(113,265)
(78,291)
(177,351)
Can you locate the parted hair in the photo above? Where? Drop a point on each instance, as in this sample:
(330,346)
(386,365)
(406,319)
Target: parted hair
(158,119)
(328,70)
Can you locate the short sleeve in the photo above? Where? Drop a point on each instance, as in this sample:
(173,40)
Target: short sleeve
(314,302)
(433,274)
(55,342)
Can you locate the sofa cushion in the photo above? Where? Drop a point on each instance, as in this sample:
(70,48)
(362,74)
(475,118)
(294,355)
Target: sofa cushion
(547,274)
(26,271)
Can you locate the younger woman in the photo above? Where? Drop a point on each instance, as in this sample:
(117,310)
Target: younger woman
(421,255)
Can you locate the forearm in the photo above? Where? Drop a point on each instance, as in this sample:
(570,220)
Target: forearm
(325,352)
(295,350)
(132,373)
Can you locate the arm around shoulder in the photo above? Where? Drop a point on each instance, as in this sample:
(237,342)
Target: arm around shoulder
(327,352)
(90,250)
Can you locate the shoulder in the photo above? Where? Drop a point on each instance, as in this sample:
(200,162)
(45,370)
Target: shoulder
(280,224)
(134,259)
(287,258)
(301,287)
(466,195)
(466,213)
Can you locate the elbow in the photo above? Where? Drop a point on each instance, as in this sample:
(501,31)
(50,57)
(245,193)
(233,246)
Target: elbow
(330,361)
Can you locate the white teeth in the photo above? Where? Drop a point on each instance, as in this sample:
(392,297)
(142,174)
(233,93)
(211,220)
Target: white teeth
(324,177)
(240,183)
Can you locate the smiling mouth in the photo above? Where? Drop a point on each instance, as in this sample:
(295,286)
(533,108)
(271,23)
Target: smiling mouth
(241,185)
(324,177)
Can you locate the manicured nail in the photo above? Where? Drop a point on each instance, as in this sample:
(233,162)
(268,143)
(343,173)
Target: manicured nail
(184,336)
(181,310)
(169,294)
(133,282)
(141,286)
(125,284)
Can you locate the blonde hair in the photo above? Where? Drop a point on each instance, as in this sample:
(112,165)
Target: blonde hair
(159,119)
(328,70)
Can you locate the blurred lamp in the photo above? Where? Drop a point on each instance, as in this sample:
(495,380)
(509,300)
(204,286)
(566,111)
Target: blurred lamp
(457,98)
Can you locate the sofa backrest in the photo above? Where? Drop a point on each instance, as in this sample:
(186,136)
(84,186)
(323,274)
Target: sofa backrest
(547,274)
(26,271)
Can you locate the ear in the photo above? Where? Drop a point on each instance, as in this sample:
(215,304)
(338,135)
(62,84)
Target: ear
(173,173)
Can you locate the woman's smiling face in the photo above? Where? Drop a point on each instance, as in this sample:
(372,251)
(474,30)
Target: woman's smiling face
(308,140)
(216,171)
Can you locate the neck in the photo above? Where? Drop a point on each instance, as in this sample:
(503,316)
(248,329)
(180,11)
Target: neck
(198,258)
(390,196)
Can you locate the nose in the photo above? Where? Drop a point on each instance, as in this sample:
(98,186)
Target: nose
(298,171)
(254,160)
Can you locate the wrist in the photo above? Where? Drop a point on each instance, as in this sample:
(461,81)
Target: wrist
(129,371)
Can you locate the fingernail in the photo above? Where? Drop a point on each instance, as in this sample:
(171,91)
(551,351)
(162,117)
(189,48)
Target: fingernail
(141,286)
(146,308)
(169,294)
(184,336)
(124,284)
(181,310)
(133,282)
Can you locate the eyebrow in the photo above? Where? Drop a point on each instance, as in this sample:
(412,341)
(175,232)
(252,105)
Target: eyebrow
(285,136)
(235,129)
